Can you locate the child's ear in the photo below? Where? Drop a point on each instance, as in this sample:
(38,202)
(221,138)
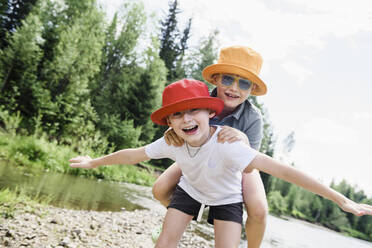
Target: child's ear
(212,114)
(168,121)
(214,78)
(253,87)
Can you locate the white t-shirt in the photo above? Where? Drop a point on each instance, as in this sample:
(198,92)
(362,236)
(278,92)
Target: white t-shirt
(214,175)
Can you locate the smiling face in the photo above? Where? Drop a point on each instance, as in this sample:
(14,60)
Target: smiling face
(191,125)
(232,95)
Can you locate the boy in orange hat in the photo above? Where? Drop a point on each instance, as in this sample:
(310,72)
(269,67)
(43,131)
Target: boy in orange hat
(211,171)
(236,75)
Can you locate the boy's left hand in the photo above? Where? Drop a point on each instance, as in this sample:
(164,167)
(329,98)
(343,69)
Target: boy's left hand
(357,209)
(229,134)
(82,162)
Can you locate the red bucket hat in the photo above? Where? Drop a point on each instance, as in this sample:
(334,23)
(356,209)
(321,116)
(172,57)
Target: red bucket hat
(185,94)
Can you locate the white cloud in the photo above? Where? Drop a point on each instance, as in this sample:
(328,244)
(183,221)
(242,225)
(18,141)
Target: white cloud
(297,71)
(327,131)
(276,32)
(362,116)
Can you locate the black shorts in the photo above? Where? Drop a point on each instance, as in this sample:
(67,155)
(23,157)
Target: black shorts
(185,203)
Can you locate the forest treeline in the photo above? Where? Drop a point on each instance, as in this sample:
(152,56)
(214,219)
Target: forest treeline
(74,77)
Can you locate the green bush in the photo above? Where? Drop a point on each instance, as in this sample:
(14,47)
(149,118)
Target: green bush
(31,151)
(297,214)
(122,133)
(11,200)
(9,121)
(29,148)
(354,233)
(277,203)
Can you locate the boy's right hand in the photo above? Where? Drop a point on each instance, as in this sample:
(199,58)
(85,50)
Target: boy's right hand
(82,162)
(171,138)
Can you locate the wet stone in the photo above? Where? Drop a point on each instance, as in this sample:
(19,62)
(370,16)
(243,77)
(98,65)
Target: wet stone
(54,227)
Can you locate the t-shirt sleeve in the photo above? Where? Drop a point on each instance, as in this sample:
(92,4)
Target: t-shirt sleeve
(255,133)
(237,155)
(158,149)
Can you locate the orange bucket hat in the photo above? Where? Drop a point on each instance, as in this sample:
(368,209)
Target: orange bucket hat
(239,60)
(183,95)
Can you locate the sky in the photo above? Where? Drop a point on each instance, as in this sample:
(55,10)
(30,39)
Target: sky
(317,67)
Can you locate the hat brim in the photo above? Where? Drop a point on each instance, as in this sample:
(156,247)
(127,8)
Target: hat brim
(209,71)
(213,103)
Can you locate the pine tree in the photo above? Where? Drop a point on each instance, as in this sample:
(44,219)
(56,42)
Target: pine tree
(18,68)
(180,70)
(72,48)
(130,82)
(118,70)
(12,12)
(204,55)
(172,44)
(146,96)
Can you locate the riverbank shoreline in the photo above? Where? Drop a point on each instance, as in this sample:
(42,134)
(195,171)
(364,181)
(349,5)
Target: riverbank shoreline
(48,226)
(45,226)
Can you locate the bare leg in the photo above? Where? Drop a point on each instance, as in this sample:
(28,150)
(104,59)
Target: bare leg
(175,223)
(256,204)
(227,234)
(166,183)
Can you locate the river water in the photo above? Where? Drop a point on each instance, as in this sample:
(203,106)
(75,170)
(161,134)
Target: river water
(67,191)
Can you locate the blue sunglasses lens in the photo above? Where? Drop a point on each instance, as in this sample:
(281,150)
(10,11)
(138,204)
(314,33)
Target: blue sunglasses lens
(227,80)
(244,84)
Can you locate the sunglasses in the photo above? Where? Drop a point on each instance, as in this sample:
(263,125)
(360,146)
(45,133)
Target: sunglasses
(228,80)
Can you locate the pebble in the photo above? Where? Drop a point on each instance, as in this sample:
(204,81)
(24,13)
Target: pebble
(48,226)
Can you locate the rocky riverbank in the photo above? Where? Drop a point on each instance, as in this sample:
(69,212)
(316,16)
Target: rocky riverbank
(48,226)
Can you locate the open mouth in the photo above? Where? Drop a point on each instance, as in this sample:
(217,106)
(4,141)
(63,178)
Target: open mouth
(190,130)
(231,95)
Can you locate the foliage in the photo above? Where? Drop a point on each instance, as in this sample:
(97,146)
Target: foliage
(277,204)
(10,122)
(354,233)
(11,200)
(11,15)
(56,85)
(8,202)
(205,54)
(65,76)
(120,133)
(29,151)
(172,44)
(38,153)
(129,81)
(288,199)
(18,63)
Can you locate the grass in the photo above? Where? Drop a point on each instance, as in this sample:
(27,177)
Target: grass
(10,201)
(354,233)
(38,153)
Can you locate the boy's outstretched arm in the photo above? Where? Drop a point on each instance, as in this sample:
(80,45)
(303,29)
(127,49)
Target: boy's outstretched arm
(288,173)
(126,156)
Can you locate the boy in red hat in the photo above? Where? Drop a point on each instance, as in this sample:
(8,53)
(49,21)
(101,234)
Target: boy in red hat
(211,171)
(236,76)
